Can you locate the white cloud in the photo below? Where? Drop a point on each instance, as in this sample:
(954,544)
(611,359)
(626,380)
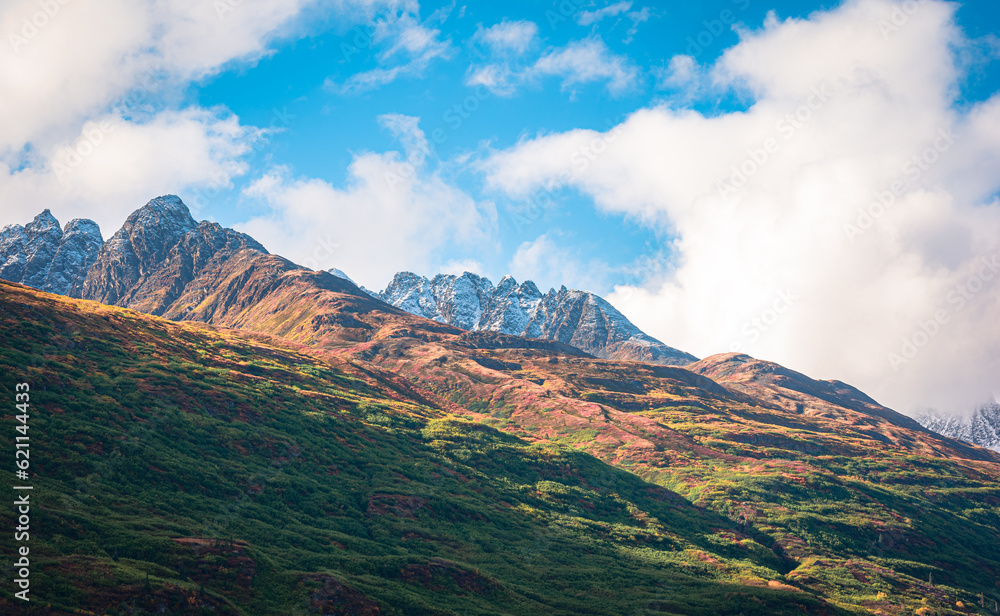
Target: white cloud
(393,214)
(588,61)
(101,82)
(457,267)
(843,107)
(550,265)
(500,79)
(88,54)
(502,47)
(113,166)
(587,18)
(579,62)
(514,37)
(683,72)
(407,130)
(637,17)
(406,46)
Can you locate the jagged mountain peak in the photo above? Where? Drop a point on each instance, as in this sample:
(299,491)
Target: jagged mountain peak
(44,222)
(159,251)
(83,226)
(170,206)
(980,427)
(166,215)
(42,255)
(573,317)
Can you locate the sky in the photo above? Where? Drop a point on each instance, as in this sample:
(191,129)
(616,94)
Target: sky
(813,183)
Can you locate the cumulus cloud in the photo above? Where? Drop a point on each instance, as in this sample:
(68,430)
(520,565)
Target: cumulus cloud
(682,73)
(85,55)
(845,224)
(113,165)
(514,37)
(93,126)
(394,213)
(550,264)
(588,61)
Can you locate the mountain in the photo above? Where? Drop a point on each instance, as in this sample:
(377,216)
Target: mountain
(573,317)
(157,254)
(42,255)
(281,441)
(199,469)
(981,427)
(165,263)
(192,470)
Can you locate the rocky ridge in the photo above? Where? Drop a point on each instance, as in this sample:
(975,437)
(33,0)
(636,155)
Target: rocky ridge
(47,257)
(578,318)
(981,427)
(157,254)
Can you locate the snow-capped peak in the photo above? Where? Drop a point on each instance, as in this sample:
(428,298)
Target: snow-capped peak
(578,318)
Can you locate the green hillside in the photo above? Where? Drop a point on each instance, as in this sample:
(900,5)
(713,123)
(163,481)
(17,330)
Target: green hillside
(194,471)
(181,469)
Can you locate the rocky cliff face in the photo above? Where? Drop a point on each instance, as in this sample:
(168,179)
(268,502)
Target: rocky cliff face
(165,263)
(42,255)
(577,318)
(982,427)
(159,251)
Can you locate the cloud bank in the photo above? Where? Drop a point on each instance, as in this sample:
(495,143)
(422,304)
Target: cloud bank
(393,209)
(110,74)
(844,224)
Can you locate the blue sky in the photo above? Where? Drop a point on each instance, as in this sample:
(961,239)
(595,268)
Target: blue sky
(322,127)
(812,183)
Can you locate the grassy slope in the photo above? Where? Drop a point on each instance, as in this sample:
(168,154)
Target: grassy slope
(181,469)
(863,510)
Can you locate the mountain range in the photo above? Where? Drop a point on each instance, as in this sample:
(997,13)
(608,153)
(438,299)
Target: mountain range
(42,255)
(165,263)
(221,430)
(576,318)
(981,427)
